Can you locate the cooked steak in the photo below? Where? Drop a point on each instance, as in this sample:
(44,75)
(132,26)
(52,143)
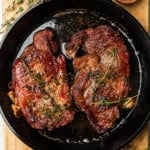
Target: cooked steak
(101,80)
(104,42)
(40,84)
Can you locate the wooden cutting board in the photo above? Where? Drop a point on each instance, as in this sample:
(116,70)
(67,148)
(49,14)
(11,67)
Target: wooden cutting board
(140,11)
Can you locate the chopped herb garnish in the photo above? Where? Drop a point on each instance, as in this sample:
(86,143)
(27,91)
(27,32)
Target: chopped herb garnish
(17,7)
(11,7)
(55,81)
(94,75)
(19,10)
(19,1)
(113,53)
(103,79)
(47,112)
(41,83)
(100,82)
(32,2)
(7,24)
(106,102)
(38,76)
(57,109)
(12,19)
(53,113)
(89,75)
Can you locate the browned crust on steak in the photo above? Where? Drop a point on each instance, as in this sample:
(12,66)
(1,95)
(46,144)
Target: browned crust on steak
(102,74)
(40,85)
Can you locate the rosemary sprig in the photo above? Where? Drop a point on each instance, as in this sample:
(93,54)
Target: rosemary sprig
(7,24)
(106,102)
(103,79)
(38,78)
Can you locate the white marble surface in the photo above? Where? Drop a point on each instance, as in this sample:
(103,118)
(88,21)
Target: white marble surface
(1,120)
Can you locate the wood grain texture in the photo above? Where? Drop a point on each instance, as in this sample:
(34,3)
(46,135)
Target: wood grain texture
(140,11)
(11,142)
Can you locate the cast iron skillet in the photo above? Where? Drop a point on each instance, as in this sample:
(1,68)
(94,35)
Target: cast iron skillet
(66,17)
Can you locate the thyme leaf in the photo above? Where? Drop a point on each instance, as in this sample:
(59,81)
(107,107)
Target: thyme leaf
(106,102)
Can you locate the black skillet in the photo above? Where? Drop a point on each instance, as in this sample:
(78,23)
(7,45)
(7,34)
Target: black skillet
(66,17)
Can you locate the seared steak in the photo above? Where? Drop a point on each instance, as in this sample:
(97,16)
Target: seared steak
(102,74)
(40,84)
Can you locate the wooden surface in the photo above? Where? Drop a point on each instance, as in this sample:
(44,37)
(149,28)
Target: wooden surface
(140,142)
